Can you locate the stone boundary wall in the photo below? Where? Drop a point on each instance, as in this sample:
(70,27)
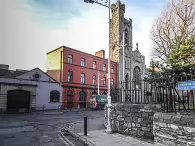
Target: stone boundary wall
(132,119)
(171,129)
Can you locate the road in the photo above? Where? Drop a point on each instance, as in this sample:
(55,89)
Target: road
(41,129)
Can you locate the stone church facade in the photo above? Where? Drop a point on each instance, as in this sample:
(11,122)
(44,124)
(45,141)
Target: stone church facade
(134,60)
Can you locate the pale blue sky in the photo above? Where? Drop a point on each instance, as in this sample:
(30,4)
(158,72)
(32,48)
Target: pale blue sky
(31,28)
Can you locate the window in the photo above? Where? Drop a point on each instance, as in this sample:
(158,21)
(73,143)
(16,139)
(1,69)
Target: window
(83,78)
(137,77)
(37,76)
(94,80)
(112,82)
(83,62)
(70,59)
(94,64)
(127,81)
(54,96)
(70,76)
(104,67)
(125,64)
(94,93)
(83,98)
(112,69)
(104,82)
(126,37)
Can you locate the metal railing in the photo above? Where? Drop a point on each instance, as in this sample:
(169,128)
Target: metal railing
(158,90)
(76,105)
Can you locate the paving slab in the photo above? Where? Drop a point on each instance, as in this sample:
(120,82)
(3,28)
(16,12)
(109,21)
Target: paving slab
(101,138)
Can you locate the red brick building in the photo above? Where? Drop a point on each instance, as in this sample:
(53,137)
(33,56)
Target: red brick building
(79,74)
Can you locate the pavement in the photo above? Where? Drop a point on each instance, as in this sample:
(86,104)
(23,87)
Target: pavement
(98,137)
(40,129)
(101,138)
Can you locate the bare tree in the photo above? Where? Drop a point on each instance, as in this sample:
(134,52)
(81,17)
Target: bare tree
(176,21)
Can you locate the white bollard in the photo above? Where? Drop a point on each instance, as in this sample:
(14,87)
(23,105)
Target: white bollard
(190,143)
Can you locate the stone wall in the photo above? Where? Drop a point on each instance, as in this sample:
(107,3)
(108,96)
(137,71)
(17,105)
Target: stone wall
(173,129)
(132,119)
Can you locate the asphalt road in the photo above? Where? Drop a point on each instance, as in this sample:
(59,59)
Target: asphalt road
(41,129)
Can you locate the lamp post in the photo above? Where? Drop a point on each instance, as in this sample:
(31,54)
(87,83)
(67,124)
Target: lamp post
(99,78)
(122,46)
(106,3)
(98,82)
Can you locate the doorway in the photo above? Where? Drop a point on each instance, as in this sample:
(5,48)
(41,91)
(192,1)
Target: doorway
(18,101)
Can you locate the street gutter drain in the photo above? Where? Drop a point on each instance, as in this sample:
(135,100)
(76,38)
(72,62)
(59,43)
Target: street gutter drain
(75,141)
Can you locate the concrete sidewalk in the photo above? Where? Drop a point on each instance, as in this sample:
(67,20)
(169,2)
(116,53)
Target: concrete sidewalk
(101,138)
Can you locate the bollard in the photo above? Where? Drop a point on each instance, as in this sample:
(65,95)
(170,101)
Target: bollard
(59,108)
(190,143)
(85,126)
(43,108)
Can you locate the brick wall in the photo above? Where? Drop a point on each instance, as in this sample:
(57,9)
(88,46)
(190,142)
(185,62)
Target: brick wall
(55,74)
(88,69)
(76,86)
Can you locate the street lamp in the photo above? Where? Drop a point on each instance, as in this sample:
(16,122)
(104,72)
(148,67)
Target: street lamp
(106,3)
(99,75)
(122,46)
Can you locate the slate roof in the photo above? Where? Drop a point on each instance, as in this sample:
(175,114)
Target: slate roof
(10,73)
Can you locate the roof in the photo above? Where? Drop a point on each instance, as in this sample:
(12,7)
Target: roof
(41,71)
(13,74)
(10,73)
(78,51)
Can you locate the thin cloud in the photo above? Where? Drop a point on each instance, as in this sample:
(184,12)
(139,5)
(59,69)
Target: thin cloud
(25,40)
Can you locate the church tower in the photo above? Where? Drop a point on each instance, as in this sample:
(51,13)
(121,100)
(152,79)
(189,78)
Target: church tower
(118,11)
(119,25)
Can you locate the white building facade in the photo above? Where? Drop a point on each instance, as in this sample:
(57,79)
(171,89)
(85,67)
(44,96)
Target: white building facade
(32,90)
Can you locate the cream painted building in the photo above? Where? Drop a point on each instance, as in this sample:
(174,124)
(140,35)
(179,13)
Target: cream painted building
(24,91)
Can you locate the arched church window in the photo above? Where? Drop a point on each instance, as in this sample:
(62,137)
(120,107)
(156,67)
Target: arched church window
(137,77)
(126,36)
(127,81)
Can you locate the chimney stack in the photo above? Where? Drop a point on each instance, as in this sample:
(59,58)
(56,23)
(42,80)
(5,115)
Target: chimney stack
(4,66)
(100,54)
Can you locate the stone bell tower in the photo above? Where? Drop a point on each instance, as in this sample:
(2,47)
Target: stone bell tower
(117,24)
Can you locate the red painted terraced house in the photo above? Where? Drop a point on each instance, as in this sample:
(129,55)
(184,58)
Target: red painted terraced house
(79,74)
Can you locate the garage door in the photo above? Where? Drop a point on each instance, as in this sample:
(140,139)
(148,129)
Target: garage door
(18,101)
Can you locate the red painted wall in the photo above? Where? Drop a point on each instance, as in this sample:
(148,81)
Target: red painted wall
(88,70)
(55,74)
(77,69)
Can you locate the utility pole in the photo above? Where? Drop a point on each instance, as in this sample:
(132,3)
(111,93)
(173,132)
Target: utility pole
(123,45)
(106,3)
(109,130)
(98,82)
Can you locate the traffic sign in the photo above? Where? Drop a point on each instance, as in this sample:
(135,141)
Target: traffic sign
(188,85)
